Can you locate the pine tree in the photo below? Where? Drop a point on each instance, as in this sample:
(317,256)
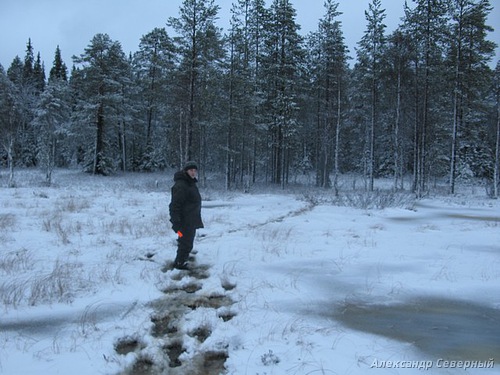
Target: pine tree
(195,24)
(238,65)
(15,71)
(370,65)
(468,57)
(426,23)
(10,115)
(284,56)
(397,97)
(9,120)
(245,43)
(328,60)
(153,70)
(99,84)
(212,106)
(496,161)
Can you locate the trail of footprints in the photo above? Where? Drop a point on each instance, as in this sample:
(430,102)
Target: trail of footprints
(167,328)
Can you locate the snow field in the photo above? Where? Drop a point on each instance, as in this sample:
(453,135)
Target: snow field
(85,285)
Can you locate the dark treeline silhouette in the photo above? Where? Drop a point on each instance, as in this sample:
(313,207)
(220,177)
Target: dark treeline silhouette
(262,102)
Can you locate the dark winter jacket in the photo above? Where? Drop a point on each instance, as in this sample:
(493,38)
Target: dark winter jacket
(185,205)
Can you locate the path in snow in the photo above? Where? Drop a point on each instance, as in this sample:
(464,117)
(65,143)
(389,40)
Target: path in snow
(185,294)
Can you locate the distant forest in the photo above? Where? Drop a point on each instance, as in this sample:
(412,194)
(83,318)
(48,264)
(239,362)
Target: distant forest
(262,103)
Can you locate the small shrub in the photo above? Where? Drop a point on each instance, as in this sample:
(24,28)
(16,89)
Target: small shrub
(269,359)
(376,200)
(16,261)
(7,221)
(58,285)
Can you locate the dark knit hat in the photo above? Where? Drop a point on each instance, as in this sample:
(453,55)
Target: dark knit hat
(190,165)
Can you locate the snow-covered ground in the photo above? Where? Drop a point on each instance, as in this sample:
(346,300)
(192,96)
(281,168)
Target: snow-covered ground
(279,284)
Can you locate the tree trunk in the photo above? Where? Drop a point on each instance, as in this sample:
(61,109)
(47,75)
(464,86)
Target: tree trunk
(372,138)
(10,160)
(51,157)
(496,168)
(99,143)
(456,117)
(124,147)
(337,143)
(192,88)
(396,131)
(229,134)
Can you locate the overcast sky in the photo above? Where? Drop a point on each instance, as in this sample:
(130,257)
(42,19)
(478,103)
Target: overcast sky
(71,24)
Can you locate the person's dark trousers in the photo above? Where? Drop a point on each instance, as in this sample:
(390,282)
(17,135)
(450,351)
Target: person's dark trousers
(184,245)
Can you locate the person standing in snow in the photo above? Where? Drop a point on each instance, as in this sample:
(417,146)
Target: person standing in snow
(185,211)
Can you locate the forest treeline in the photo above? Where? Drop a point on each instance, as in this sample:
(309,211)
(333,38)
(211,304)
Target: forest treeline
(261,102)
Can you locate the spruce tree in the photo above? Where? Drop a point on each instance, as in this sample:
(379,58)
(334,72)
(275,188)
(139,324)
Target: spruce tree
(29,62)
(28,88)
(59,71)
(52,125)
(39,74)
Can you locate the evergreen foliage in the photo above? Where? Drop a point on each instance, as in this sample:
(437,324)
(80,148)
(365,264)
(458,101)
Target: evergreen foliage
(265,103)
